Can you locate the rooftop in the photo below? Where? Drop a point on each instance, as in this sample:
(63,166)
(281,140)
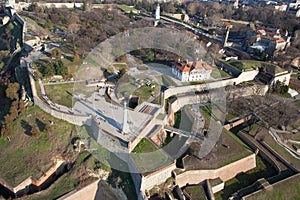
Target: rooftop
(188,66)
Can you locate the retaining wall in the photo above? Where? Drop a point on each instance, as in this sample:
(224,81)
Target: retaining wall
(157,177)
(245,138)
(225,173)
(243,77)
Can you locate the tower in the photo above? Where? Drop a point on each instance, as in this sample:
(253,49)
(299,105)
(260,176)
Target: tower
(157,15)
(236,4)
(125,127)
(10,3)
(228,26)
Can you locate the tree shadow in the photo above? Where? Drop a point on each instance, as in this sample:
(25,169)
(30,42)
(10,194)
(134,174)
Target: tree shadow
(27,127)
(69,93)
(41,125)
(70,58)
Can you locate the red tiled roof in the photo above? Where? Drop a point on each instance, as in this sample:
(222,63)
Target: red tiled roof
(187,67)
(227,24)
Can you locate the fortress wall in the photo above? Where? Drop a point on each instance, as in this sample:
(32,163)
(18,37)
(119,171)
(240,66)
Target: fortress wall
(262,153)
(204,98)
(60,5)
(238,122)
(246,76)
(248,91)
(74,119)
(157,177)
(49,173)
(23,187)
(243,77)
(225,173)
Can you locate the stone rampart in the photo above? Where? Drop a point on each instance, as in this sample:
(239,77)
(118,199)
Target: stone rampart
(60,5)
(243,77)
(225,173)
(251,143)
(157,177)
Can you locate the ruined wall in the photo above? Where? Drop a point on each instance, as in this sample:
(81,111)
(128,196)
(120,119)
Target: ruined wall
(225,173)
(249,90)
(24,187)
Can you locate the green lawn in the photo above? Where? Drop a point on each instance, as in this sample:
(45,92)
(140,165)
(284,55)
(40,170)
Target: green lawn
(60,93)
(120,66)
(144,92)
(26,155)
(148,157)
(157,100)
(247,65)
(281,151)
(126,9)
(182,121)
(144,146)
(73,67)
(196,192)
(217,74)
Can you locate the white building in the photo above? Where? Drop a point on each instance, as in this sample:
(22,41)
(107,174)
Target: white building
(191,71)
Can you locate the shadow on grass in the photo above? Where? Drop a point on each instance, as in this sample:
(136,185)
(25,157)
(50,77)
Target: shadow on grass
(27,127)
(69,93)
(41,125)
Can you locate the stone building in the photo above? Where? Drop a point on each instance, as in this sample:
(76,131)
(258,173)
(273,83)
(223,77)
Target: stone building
(191,71)
(267,40)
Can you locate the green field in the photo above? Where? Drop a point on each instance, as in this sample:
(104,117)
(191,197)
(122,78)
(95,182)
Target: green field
(26,155)
(145,92)
(217,74)
(61,94)
(120,66)
(148,157)
(244,64)
(196,192)
(247,65)
(144,146)
(126,9)
(282,152)
(182,121)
